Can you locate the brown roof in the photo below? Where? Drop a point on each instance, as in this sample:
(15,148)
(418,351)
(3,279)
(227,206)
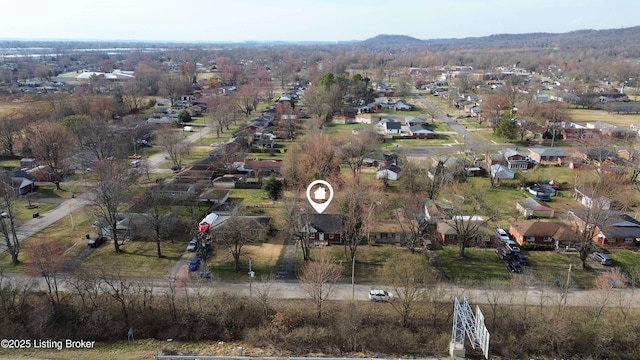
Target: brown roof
(556,230)
(262,164)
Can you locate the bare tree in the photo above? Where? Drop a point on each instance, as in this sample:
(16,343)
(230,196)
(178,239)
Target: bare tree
(467,215)
(174,145)
(357,207)
(596,193)
(408,277)
(354,151)
(112,192)
(234,234)
(14,293)
(47,260)
(7,225)
(221,111)
(10,128)
(318,277)
(157,215)
(52,144)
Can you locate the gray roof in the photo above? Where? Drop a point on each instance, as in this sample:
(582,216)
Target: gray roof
(325,223)
(614,224)
(548,151)
(421,129)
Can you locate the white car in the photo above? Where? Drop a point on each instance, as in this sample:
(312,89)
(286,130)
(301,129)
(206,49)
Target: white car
(502,234)
(380,295)
(512,245)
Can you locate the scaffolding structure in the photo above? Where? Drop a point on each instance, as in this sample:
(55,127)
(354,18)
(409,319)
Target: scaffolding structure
(467,324)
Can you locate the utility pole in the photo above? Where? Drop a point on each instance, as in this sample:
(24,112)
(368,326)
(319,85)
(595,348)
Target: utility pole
(353,279)
(251,275)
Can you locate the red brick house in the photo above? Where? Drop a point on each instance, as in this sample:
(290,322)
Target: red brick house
(483,236)
(322,228)
(542,232)
(547,156)
(613,228)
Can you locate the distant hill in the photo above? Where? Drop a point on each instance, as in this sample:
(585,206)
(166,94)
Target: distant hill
(387,40)
(614,42)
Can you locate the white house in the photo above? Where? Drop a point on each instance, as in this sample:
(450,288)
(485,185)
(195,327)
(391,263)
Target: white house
(392,127)
(391,172)
(501,172)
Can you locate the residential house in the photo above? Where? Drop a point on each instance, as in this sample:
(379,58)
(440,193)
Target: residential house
(251,228)
(367,118)
(136,226)
(260,167)
(265,143)
(447,231)
(377,159)
(422,132)
(214,197)
(392,128)
(401,105)
(225,182)
(585,197)
(515,160)
(499,171)
(16,182)
(323,229)
(570,133)
(456,166)
(613,228)
(390,172)
(541,98)
(173,192)
(414,120)
(388,231)
(530,208)
(542,232)
(433,212)
(547,156)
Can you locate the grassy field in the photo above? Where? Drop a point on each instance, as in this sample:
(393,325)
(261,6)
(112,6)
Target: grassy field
(586,115)
(550,265)
(264,258)
(480,266)
(138,258)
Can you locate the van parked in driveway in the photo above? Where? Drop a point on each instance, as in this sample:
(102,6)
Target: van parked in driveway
(602,258)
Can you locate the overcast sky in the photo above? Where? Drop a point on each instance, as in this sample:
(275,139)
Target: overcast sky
(299,20)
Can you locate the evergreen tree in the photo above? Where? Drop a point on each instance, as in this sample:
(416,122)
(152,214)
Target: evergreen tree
(273,188)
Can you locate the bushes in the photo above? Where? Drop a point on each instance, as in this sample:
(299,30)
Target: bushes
(536,247)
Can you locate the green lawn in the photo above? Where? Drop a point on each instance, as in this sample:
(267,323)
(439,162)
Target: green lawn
(440,140)
(480,266)
(550,265)
(264,258)
(138,258)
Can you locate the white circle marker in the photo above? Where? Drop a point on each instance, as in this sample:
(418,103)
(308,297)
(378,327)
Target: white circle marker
(321,197)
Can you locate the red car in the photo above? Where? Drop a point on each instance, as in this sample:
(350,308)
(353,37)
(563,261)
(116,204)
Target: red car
(135,157)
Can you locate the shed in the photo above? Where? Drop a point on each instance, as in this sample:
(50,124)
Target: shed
(530,208)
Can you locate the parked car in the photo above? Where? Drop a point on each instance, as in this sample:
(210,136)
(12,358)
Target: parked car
(519,257)
(514,266)
(134,157)
(187,129)
(512,246)
(503,253)
(502,234)
(96,241)
(380,295)
(176,168)
(194,265)
(193,244)
(136,163)
(602,258)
